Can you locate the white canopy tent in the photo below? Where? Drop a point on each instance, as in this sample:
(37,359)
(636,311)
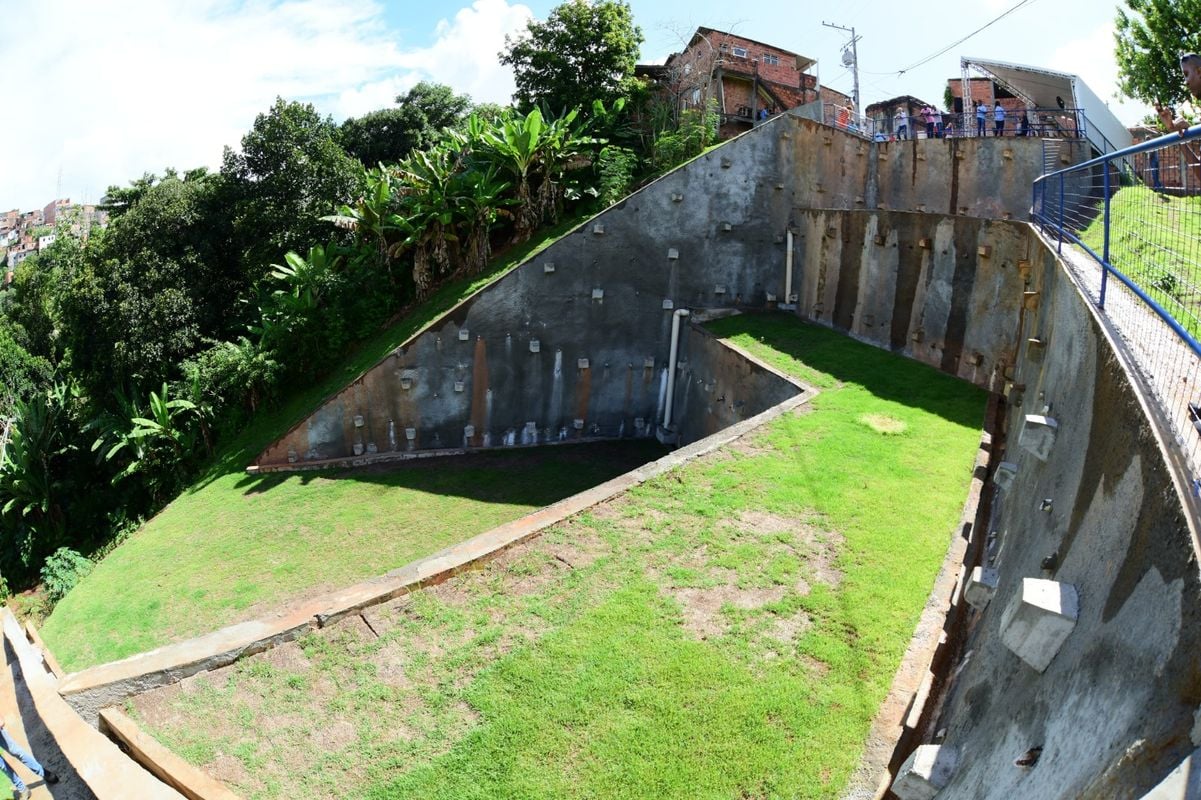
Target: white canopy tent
(1045,88)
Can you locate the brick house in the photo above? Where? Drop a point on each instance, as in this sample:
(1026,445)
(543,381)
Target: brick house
(741,76)
(883,113)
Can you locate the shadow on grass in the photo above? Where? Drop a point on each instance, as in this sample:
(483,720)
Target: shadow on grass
(903,381)
(534,476)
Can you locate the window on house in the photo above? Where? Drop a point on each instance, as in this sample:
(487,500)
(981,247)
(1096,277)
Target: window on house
(724,46)
(739,52)
(774,60)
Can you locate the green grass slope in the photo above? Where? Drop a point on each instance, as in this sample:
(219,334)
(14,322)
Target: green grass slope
(726,630)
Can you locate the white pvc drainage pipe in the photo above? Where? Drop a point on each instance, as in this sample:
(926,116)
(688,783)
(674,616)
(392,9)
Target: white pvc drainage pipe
(788,272)
(671,364)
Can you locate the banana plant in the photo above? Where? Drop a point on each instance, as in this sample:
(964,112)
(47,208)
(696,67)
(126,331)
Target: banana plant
(429,211)
(480,202)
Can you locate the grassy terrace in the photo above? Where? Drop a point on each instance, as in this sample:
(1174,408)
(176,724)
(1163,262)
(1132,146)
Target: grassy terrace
(726,630)
(232,546)
(1154,242)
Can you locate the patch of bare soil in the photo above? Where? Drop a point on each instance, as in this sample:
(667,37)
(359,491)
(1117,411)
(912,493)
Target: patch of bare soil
(702,606)
(817,547)
(787,629)
(230,770)
(157,707)
(334,737)
(287,657)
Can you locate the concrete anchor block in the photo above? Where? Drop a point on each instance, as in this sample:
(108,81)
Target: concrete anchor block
(410,434)
(719,290)
(464,334)
(581,363)
(598,294)
(372,448)
(598,229)
(924,774)
(1038,435)
(459,386)
(468,431)
(359,421)
(358,448)
(578,424)
(406,383)
(1007,154)
(1024,268)
(648,362)
(975,359)
(771,298)
(293,457)
(673,254)
(1030,300)
(859,201)
(925,244)
(980,587)
(725,226)
(676,197)
(879,240)
(548,267)
(1006,472)
(668,305)
(535,346)
(984,251)
(1039,619)
(726,163)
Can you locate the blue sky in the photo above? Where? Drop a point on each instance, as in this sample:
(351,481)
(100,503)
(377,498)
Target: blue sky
(111,90)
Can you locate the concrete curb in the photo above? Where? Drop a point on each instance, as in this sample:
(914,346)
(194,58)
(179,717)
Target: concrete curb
(191,782)
(106,771)
(92,689)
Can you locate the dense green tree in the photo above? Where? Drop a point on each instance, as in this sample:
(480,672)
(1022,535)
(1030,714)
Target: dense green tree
(1150,37)
(162,280)
(33,300)
(584,51)
(21,373)
(290,172)
(388,135)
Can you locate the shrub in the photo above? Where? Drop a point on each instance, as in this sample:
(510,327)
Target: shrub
(62,570)
(616,167)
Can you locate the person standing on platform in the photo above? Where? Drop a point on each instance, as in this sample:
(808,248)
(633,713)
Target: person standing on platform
(981,113)
(998,115)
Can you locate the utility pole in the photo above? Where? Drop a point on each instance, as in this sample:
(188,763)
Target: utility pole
(854,65)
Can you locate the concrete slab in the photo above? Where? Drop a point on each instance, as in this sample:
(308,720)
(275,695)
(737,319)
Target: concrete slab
(1038,619)
(1005,474)
(1038,435)
(981,586)
(927,770)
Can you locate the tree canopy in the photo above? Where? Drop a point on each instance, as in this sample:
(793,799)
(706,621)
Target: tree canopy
(584,51)
(390,134)
(1150,37)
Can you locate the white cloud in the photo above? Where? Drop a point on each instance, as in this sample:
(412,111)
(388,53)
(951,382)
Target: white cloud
(1080,57)
(107,91)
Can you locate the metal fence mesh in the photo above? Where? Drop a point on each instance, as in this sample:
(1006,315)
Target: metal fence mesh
(1129,226)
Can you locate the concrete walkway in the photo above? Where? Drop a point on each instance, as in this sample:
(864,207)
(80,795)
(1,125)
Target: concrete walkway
(21,718)
(87,763)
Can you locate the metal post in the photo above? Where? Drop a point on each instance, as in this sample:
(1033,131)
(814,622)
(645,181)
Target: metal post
(854,64)
(1059,247)
(1105,247)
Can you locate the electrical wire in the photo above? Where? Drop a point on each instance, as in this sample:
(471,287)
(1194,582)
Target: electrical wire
(955,44)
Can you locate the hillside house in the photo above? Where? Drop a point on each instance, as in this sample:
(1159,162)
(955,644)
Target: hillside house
(882,115)
(743,78)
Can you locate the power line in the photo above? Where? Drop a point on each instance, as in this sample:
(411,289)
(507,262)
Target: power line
(965,38)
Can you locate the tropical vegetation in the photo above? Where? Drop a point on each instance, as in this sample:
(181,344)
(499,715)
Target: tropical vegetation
(131,360)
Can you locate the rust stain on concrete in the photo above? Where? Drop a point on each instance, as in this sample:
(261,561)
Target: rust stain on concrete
(479,391)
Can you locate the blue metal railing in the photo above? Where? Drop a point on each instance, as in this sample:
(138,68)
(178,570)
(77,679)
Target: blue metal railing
(1134,215)
(1073,215)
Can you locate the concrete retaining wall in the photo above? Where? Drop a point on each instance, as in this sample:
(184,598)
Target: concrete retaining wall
(573,344)
(1115,709)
